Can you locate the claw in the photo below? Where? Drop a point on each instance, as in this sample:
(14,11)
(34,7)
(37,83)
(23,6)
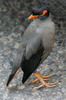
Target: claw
(42,80)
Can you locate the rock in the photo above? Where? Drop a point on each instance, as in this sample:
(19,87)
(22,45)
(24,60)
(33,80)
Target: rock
(1,33)
(63,90)
(16,45)
(19,29)
(1,46)
(5,41)
(21,87)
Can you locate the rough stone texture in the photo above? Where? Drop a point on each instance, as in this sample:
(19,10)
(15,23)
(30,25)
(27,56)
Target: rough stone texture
(12,25)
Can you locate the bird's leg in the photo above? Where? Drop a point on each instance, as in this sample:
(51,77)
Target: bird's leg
(44,77)
(42,80)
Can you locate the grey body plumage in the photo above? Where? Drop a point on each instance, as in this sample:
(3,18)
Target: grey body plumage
(40,33)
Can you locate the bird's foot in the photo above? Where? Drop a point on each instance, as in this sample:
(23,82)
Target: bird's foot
(43,79)
(43,76)
(46,84)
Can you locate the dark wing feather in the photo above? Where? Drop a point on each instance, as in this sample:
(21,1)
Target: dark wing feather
(29,66)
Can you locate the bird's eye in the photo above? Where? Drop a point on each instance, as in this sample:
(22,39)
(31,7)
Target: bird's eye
(40,13)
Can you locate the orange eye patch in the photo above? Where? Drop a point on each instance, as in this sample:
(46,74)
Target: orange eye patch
(36,16)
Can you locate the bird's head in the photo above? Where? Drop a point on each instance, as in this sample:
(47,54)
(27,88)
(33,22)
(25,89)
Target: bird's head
(40,12)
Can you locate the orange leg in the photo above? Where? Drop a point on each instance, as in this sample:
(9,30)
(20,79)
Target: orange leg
(42,80)
(44,77)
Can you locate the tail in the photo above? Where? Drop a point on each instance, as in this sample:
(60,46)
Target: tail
(11,76)
(25,77)
(9,79)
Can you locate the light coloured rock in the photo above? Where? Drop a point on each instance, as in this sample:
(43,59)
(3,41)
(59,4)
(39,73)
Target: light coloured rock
(63,90)
(16,45)
(1,33)
(20,87)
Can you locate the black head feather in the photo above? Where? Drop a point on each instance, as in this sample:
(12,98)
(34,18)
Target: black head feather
(39,10)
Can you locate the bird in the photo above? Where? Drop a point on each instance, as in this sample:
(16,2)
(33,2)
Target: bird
(36,45)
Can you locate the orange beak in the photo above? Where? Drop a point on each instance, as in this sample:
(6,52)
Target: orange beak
(36,16)
(33,16)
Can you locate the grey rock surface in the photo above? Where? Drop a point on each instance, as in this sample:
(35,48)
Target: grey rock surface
(11,31)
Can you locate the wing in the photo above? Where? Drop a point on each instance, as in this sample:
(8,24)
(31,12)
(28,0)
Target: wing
(29,66)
